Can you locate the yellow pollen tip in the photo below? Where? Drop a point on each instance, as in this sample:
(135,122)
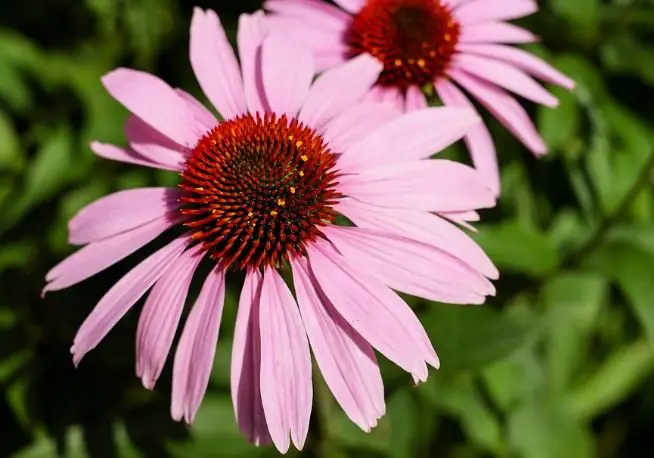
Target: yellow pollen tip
(398,62)
(304,157)
(292,190)
(250,215)
(301,173)
(281,202)
(290,137)
(273,213)
(298,144)
(421,62)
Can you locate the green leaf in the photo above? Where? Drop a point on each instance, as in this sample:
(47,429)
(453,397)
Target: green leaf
(560,126)
(11,156)
(403,414)
(618,376)
(473,337)
(518,248)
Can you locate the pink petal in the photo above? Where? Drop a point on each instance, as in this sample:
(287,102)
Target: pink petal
(246,364)
(215,65)
(462,218)
(410,266)
(120,212)
(161,314)
(357,122)
(338,89)
(505,76)
(489,10)
(414,99)
(423,227)
(156,103)
(415,135)
(495,32)
(288,70)
(431,185)
(386,95)
(122,296)
(504,108)
(319,13)
(286,389)
(97,256)
(201,114)
(346,360)
(351,6)
(154,146)
(373,310)
(114,153)
(523,60)
(197,348)
(252,29)
(478,139)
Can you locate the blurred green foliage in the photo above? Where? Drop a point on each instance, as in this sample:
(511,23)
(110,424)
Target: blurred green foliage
(559,365)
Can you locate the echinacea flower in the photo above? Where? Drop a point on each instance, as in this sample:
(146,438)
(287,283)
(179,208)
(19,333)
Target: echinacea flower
(259,193)
(428,45)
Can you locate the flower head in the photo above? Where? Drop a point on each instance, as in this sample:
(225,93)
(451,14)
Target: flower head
(259,193)
(434,45)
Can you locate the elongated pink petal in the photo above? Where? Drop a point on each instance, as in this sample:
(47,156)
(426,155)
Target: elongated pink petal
(416,135)
(488,10)
(214,64)
(414,99)
(351,6)
(386,94)
(345,359)
(202,115)
(374,310)
(478,139)
(160,316)
(410,266)
(521,59)
(122,296)
(431,185)
(505,76)
(288,70)
(155,102)
(97,256)
(318,13)
(120,212)
(286,390)
(154,146)
(495,32)
(115,153)
(246,363)
(351,81)
(505,108)
(252,29)
(197,348)
(424,227)
(462,218)
(346,129)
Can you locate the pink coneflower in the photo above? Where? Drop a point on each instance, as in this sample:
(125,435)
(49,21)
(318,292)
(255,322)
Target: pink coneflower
(259,193)
(433,44)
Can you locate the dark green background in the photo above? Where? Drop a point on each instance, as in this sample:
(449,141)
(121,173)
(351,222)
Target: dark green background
(559,365)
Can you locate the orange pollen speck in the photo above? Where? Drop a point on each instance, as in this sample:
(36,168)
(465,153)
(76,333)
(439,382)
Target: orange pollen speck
(251,197)
(414,39)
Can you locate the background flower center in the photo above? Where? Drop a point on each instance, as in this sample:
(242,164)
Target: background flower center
(257,189)
(415,39)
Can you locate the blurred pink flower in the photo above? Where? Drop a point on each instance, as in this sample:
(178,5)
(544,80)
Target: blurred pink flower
(425,44)
(260,191)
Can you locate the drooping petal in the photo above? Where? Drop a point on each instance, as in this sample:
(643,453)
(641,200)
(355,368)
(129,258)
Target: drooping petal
(246,363)
(286,390)
(155,102)
(197,348)
(414,99)
(122,296)
(317,13)
(252,30)
(488,10)
(478,139)
(214,64)
(346,360)
(386,94)
(346,129)
(378,314)
(115,153)
(410,266)
(523,60)
(424,227)
(462,218)
(495,32)
(351,6)
(339,89)
(120,212)
(202,115)
(97,256)
(415,135)
(505,76)
(437,185)
(288,70)
(154,146)
(505,108)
